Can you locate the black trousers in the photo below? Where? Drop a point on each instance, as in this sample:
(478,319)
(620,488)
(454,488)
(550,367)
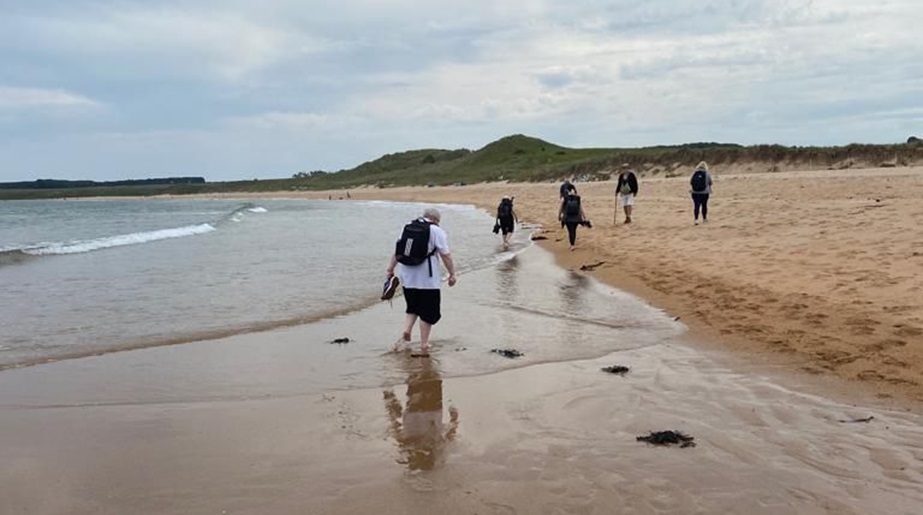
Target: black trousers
(700,201)
(572,231)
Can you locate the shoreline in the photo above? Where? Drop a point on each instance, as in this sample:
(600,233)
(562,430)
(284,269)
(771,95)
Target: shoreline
(283,422)
(802,269)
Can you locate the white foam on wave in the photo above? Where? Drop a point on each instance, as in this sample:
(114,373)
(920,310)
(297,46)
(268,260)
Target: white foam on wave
(258,209)
(77,247)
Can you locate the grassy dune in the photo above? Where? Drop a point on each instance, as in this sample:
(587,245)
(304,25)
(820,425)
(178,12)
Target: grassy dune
(521,158)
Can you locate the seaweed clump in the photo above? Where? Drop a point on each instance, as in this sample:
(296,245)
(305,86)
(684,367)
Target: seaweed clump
(667,438)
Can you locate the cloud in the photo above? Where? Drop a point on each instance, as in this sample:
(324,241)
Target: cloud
(36,98)
(157,41)
(298,84)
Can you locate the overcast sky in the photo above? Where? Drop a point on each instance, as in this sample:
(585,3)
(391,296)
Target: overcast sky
(231,89)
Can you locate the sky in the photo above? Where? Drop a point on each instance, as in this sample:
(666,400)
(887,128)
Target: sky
(238,89)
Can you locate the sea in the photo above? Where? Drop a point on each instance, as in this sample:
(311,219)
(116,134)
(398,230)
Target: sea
(86,278)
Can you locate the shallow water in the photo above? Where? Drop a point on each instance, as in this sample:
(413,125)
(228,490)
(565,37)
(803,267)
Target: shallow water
(86,277)
(524,302)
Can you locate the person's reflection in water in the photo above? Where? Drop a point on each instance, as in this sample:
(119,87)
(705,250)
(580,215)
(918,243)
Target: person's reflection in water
(573,291)
(418,428)
(507,279)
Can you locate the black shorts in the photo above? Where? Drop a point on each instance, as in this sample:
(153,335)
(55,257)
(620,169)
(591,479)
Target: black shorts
(506,225)
(423,303)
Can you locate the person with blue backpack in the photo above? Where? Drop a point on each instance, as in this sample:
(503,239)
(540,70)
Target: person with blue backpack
(700,187)
(417,253)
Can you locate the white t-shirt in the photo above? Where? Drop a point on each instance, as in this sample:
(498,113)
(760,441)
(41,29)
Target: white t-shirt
(418,276)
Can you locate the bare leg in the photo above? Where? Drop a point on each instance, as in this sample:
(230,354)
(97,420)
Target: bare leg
(425,330)
(408,327)
(627,214)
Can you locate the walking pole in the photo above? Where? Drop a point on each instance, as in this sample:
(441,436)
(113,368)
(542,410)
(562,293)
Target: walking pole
(615,208)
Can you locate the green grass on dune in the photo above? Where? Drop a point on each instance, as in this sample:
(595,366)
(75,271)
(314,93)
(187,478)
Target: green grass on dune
(520,158)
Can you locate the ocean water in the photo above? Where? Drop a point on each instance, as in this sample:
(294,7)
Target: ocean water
(89,277)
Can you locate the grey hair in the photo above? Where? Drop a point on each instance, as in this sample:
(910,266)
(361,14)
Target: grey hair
(432,213)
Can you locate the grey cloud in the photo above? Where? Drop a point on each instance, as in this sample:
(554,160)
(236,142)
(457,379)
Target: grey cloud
(233,86)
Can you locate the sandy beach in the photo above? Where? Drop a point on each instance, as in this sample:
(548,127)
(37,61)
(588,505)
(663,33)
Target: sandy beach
(820,269)
(799,378)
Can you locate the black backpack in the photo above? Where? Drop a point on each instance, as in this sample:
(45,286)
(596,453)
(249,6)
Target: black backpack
(505,209)
(699,181)
(412,248)
(572,206)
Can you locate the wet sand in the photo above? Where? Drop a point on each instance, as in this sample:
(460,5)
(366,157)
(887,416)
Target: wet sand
(548,438)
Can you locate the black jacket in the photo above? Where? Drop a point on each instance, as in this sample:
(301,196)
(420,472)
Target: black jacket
(632,183)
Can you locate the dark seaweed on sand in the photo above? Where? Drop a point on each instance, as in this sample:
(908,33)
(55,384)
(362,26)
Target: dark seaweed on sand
(507,353)
(591,266)
(616,369)
(855,420)
(668,438)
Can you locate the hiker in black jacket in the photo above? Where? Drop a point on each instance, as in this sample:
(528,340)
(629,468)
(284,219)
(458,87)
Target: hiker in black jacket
(625,190)
(506,220)
(567,188)
(571,215)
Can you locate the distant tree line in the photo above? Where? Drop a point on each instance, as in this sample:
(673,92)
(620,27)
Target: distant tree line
(42,184)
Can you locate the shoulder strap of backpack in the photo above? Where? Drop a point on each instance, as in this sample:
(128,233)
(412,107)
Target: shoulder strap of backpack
(429,257)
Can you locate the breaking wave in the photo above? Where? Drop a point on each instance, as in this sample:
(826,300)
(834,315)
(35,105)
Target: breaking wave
(14,255)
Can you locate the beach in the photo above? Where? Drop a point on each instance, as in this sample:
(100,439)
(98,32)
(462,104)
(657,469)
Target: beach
(784,336)
(821,269)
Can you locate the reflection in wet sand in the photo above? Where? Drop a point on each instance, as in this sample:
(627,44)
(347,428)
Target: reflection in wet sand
(418,427)
(573,290)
